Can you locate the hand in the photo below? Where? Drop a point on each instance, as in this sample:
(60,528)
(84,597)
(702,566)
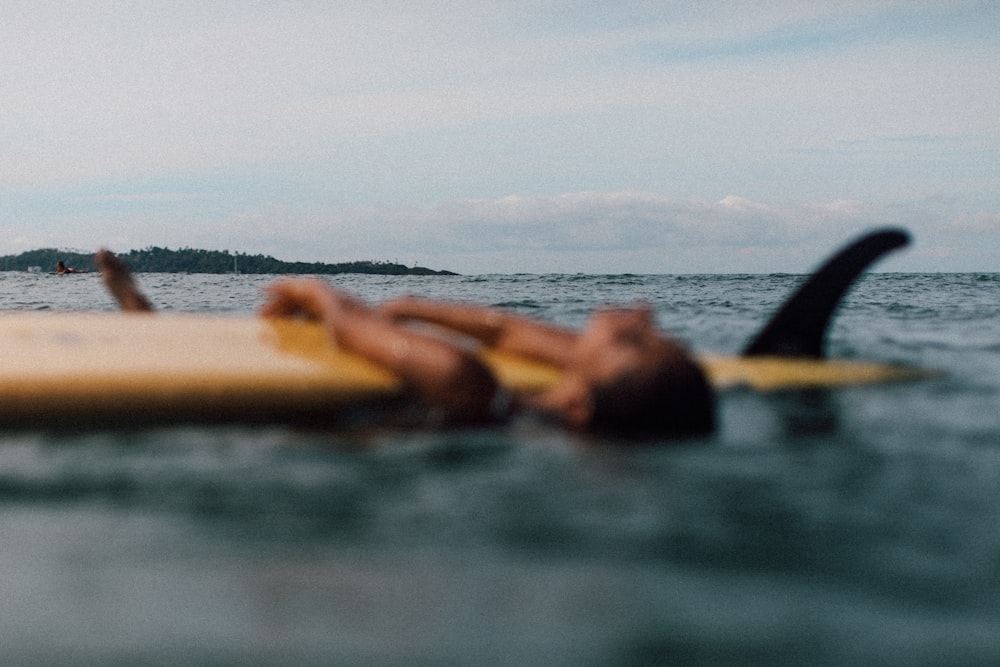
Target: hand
(310,299)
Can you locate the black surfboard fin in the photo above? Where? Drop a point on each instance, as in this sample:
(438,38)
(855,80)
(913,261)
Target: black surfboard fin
(799,328)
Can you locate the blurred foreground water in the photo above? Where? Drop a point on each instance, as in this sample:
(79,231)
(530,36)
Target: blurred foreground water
(853,526)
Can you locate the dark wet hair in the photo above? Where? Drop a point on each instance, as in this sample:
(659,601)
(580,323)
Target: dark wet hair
(672,399)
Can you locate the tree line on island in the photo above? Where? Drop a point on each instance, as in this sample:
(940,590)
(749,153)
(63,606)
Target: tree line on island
(189,260)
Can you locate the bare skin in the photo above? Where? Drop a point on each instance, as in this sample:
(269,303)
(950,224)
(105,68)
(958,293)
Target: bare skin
(615,343)
(119,281)
(613,370)
(444,375)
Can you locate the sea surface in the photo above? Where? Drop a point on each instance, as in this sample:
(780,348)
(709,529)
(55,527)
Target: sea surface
(852,526)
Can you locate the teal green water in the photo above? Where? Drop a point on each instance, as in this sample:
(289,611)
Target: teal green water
(853,526)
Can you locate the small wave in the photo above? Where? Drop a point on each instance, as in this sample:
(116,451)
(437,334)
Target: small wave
(518,305)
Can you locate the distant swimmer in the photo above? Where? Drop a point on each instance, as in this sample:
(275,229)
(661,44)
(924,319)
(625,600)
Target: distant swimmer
(61,268)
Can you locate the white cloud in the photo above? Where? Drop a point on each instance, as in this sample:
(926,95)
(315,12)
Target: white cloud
(104,91)
(589,231)
(982,222)
(302,128)
(628,231)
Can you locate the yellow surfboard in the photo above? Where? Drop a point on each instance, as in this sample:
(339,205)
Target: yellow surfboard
(124,368)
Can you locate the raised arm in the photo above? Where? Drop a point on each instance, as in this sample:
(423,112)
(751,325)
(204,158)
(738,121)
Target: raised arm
(497,328)
(443,375)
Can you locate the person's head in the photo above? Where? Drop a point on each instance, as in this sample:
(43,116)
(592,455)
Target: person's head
(629,379)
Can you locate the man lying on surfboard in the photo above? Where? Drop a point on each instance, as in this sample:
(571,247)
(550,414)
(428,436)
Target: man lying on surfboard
(621,374)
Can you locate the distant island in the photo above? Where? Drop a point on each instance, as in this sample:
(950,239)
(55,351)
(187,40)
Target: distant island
(188,260)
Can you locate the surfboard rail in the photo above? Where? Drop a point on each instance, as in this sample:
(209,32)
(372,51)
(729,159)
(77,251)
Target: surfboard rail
(115,367)
(130,367)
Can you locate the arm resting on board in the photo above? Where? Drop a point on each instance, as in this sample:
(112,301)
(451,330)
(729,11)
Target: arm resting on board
(443,375)
(498,329)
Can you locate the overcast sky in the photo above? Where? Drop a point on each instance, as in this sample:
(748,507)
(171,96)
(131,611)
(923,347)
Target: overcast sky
(483,137)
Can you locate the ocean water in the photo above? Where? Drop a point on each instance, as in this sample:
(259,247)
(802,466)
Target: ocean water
(849,526)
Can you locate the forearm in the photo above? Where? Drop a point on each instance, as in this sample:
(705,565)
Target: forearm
(409,354)
(499,329)
(479,322)
(444,375)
